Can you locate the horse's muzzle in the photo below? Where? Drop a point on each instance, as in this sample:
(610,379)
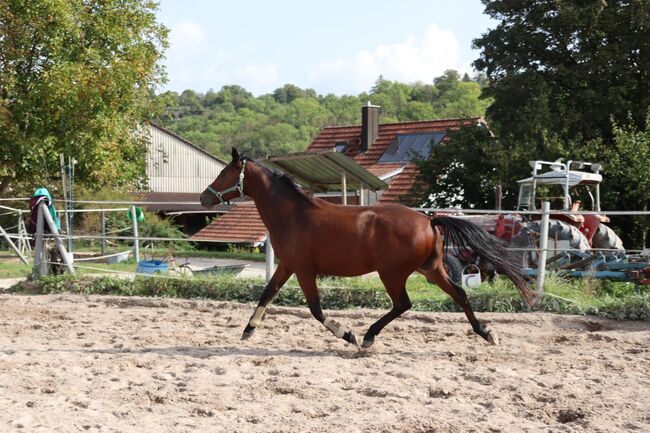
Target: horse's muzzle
(205,200)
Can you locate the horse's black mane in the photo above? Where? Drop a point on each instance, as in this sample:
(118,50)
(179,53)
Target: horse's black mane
(284,178)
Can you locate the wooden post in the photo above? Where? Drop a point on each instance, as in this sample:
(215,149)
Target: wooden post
(103,233)
(543,245)
(12,245)
(362,191)
(344,188)
(40,264)
(57,238)
(136,243)
(270,259)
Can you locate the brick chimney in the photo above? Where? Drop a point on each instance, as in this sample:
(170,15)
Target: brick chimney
(369,125)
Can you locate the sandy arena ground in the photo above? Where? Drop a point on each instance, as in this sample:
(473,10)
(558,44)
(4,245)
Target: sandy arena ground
(107,364)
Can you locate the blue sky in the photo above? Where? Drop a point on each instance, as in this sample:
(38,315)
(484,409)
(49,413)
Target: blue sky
(333,46)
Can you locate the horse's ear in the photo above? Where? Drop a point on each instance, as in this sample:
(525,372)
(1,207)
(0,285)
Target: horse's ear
(235,155)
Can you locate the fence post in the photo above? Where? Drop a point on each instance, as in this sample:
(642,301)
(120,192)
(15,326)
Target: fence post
(543,245)
(40,264)
(12,245)
(136,243)
(103,233)
(270,259)
(344,188)
(23,236)
(57,238)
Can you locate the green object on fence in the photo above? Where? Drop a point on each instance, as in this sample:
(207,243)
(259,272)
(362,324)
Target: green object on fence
(45,193)
(139,215)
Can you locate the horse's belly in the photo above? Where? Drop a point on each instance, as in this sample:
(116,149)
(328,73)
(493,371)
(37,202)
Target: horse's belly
(351,258)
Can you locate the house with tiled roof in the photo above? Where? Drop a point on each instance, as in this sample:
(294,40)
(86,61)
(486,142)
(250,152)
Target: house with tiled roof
(385,150)
(242,225)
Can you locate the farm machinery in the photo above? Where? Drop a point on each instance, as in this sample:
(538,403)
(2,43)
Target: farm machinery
(579,245)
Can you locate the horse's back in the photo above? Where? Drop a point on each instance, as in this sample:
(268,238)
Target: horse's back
(352,240)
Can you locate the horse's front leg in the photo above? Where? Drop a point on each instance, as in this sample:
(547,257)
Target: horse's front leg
(280,276)
(309,288)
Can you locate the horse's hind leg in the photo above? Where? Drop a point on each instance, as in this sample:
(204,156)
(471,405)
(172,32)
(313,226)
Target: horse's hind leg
(280,276)
(309,288)
(438,276)
(396,289)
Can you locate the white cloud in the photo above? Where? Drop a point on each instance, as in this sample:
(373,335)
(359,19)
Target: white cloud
(192,63)
(260,75)
(418,58)
(186,39)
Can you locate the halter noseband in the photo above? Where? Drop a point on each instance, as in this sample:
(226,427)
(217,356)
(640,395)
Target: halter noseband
(239,186)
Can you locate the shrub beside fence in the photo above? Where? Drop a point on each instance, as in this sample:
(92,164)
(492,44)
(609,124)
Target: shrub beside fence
(612,300)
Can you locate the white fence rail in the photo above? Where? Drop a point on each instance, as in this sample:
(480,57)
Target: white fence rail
(104,236)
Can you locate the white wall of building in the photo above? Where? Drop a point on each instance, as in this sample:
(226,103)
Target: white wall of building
(176,166)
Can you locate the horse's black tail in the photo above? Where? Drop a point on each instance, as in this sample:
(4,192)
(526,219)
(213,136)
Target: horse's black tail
(466,235)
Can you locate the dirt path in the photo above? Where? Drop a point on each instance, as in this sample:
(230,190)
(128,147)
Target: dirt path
(108,364)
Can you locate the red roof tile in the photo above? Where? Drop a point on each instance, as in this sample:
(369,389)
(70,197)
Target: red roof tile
(241,225)
(380,170)
(244,225)
(399,190)
(331,135)
(400,186)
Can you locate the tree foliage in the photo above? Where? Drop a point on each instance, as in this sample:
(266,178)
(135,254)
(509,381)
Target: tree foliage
(287,119)
(562,75)
(75,79)
(627,176)
(561,70)
(449,176)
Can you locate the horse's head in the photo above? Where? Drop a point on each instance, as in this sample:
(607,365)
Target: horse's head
(228,185)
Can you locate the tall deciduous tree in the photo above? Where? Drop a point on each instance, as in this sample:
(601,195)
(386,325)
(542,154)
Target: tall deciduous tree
(76,77)
(560,70)
(626,184)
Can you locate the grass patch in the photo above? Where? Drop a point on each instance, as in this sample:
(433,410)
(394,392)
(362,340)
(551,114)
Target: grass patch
(14,270)
(181,252)
(584,297)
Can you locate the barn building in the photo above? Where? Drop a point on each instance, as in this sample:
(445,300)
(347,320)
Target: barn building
(177,172)
(384,150)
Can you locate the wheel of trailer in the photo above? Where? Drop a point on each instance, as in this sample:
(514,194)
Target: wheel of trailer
(454,269)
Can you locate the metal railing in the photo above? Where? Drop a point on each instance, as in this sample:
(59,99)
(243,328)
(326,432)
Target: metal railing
(542,250)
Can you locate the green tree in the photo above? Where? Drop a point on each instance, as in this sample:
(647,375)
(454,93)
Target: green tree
(626,177)
(449,177)
(560,70)
(557,74)
(76,77)
(289,118)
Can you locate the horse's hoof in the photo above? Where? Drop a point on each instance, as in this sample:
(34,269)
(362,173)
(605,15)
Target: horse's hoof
(368,341)
(350,338)
(493,338)
(248,333)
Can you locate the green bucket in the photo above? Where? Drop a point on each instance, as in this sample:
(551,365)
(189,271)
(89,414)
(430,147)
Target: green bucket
(139,215)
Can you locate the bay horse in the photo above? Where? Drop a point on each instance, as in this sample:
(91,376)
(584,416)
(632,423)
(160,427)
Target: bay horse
(311,237)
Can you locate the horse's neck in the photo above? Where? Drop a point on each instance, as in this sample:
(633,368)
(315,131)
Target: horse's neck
(275,204)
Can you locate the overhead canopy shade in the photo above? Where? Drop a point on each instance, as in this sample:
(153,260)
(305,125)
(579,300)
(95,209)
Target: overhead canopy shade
(322,171)
(560,178)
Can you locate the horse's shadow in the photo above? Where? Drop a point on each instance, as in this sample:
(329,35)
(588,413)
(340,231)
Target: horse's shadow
(212,352)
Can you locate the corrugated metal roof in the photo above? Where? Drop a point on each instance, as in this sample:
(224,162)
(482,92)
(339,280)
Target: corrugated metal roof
(322,171)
